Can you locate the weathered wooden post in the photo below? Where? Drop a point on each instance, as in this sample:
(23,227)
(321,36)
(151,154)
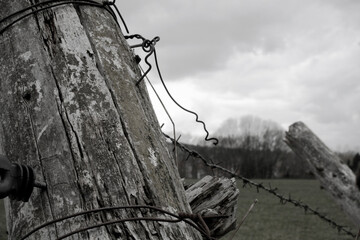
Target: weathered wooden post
(212,195)
(336,177)
(70,110)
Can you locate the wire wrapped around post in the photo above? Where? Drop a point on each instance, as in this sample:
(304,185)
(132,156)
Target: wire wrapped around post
(56,3)
(194,221)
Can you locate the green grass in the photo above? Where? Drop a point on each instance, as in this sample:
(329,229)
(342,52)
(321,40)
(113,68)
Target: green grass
(270,220)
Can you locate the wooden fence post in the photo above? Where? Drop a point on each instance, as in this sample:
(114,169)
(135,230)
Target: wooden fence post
(70,110)
(336,177)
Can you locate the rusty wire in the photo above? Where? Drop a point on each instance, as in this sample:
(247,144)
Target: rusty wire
(194,220)
(260,186)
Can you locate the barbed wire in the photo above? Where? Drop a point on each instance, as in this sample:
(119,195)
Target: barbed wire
(196,221)
(260,186)
(180,217)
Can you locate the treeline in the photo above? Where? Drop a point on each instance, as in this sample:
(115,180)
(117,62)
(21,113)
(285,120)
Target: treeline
(250,163)
(253,148)
(250,147)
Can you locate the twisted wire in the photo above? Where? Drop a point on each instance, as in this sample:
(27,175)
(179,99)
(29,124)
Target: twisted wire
(215,140)
(149,47)
(260,186)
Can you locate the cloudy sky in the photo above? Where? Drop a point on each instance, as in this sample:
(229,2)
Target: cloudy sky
(280,60)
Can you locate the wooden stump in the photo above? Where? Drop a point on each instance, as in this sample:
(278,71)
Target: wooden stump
(213,195)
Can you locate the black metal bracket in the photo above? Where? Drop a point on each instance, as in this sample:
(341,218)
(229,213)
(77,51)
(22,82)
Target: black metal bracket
(17,181)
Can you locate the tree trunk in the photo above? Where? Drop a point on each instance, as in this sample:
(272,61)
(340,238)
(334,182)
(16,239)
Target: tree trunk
(334,176)
(70,109)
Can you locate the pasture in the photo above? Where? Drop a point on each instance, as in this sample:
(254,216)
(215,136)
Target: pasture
(270,220)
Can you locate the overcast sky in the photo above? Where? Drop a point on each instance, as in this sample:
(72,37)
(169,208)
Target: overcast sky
(284,61)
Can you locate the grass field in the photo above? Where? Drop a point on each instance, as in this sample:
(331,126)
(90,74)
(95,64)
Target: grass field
(270,220)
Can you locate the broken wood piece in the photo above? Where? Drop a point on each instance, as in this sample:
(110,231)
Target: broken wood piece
(215,196)
(335,176)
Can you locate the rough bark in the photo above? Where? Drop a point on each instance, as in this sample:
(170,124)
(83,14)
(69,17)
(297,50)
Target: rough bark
(334,175)
(213,195)
(70,109)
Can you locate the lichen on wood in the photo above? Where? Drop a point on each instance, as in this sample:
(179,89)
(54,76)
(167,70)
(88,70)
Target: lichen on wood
(71,110)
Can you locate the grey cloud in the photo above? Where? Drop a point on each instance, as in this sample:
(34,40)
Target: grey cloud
(287,60)
(198,36)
